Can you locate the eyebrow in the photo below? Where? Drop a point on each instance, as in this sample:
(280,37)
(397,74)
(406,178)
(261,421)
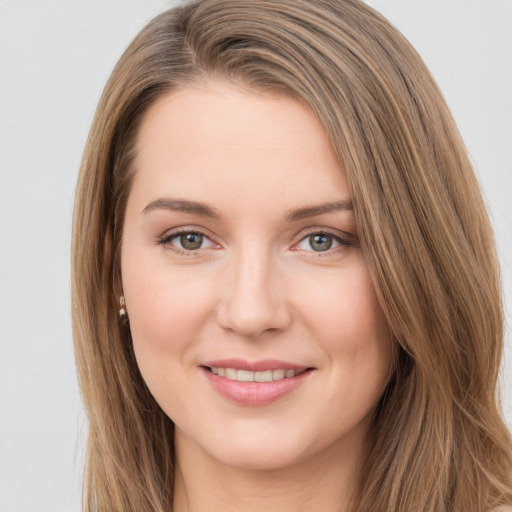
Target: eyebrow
(180,205)
(204,210)
(313,211)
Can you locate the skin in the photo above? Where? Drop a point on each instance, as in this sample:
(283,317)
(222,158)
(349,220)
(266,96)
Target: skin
(256,288)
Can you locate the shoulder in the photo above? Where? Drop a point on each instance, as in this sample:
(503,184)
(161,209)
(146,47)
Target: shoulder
(505,508)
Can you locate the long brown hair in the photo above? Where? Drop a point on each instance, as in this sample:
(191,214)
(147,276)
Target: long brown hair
(438,439)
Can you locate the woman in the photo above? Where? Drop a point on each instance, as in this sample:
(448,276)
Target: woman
(285,288)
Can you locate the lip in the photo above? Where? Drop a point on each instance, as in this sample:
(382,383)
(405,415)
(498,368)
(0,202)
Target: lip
(255,393)
(254,366)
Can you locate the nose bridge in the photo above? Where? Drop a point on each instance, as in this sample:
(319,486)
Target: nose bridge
(254,301)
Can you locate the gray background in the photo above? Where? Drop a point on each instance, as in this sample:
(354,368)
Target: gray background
(55,57)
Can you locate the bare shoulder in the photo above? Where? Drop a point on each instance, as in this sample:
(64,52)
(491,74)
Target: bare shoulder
(505,508)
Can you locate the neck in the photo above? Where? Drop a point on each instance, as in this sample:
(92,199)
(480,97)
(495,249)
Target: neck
(324,482)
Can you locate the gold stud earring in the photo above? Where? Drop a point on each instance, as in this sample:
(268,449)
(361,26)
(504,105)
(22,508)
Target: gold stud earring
(123,314)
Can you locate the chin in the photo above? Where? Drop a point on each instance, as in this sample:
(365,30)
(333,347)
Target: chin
(247,445)
(261,456)
(263,445)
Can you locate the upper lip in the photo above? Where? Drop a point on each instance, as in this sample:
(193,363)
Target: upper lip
(254,366)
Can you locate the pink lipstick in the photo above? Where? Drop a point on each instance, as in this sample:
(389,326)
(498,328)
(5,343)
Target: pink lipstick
(254,383)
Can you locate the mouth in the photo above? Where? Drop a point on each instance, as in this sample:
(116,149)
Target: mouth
(255,384)
(255,376)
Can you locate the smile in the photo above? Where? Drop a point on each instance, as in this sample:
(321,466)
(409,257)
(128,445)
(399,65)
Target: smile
(249,376)
(255,383)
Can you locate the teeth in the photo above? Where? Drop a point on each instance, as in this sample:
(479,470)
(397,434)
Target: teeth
(231,374)
(265,376)
(248,376)
(278,374)
(244,376)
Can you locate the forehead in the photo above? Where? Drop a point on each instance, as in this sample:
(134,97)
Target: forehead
(223,141)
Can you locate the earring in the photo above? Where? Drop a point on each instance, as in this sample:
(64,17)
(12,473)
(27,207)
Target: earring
(123,314)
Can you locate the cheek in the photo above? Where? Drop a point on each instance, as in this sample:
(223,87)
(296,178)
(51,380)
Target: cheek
(349,322)
(167,310)
(352,332)
(165,306)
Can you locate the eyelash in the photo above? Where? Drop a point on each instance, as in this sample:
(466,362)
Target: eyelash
(166,241)
(344,243)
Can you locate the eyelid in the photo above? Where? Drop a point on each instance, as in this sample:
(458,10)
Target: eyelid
(344,239)
(169,235)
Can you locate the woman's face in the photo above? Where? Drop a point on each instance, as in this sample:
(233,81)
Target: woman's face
(253,317)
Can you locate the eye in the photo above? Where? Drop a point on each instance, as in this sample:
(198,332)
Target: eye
(321,241)
(187,241)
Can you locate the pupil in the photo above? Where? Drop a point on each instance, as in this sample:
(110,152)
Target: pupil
(320,242)
(191,241)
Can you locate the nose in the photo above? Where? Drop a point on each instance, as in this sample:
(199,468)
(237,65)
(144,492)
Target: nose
(253,294)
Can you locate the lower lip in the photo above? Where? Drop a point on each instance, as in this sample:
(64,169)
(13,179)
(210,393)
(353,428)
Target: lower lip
(255,393)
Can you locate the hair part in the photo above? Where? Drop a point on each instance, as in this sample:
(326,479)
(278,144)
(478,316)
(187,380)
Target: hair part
(439,442)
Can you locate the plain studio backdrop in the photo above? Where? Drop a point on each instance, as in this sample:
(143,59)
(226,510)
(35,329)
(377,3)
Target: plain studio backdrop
(55,57)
